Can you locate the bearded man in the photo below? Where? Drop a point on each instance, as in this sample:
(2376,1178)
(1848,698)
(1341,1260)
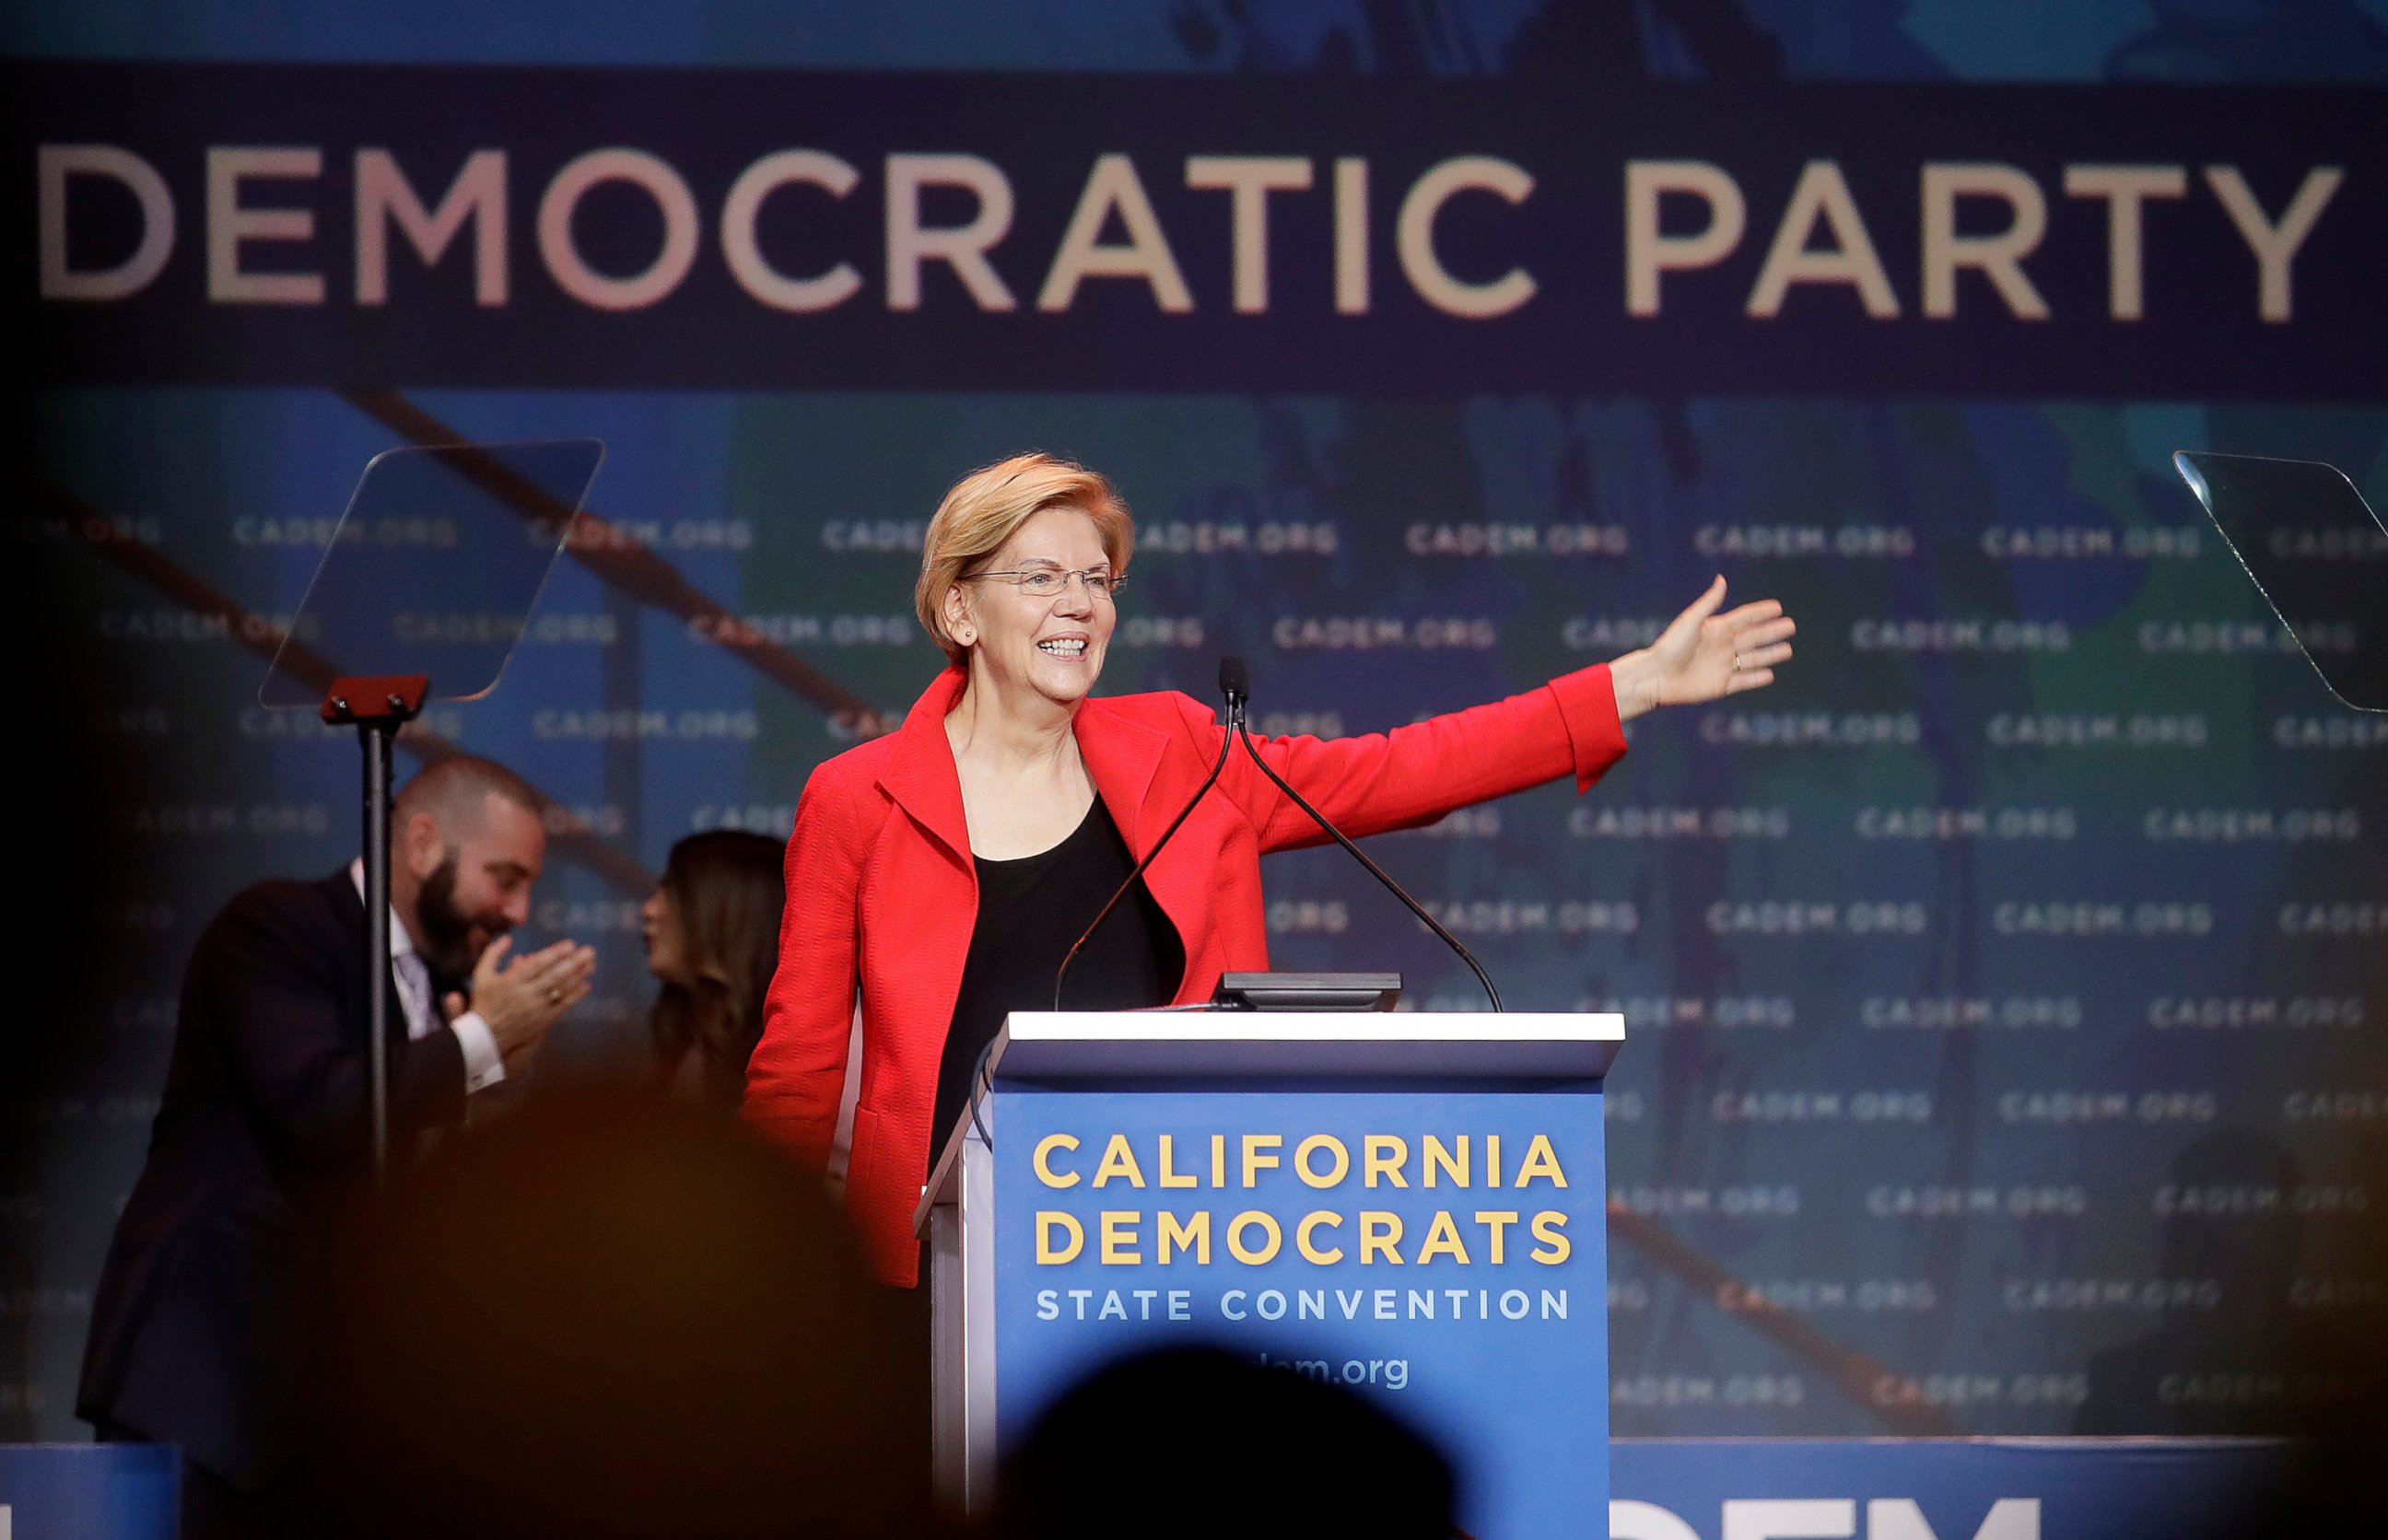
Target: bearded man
(265,1128)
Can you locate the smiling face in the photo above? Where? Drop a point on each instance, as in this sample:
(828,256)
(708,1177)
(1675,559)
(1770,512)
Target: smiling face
(468,874)
(1052,645)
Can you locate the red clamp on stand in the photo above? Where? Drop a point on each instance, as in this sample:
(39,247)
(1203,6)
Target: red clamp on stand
(397,698)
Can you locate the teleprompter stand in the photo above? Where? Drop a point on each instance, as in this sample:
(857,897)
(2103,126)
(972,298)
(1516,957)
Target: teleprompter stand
(466,530)
(378,707)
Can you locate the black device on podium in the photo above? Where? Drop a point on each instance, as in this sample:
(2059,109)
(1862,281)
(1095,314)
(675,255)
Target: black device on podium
(427,587)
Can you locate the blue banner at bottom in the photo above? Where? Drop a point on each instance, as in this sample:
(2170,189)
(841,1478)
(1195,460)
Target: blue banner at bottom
(1938,1489)
(1663,1489)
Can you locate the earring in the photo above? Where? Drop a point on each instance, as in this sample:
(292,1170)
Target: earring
(965,636)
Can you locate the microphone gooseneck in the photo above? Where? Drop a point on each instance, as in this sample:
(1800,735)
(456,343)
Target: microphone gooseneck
(1235,712)
(978,1072)
(1239,730)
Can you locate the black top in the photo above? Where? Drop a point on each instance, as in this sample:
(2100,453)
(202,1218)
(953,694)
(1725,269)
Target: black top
(1029,912)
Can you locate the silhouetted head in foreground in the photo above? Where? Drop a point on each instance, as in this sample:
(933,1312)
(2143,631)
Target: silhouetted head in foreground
(1198,1442)
(612,1318)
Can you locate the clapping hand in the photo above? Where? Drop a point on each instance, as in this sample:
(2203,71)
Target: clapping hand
(523,998)
(1703,655)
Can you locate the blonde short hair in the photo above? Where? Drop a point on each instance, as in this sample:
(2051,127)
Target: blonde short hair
(986,507)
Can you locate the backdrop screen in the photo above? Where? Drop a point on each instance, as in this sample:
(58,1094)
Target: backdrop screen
(2003,988)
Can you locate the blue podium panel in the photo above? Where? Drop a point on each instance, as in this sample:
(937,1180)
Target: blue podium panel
(1439,1250)
(89,1491)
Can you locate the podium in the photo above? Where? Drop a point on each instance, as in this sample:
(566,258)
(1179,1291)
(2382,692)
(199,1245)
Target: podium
(1410,1205)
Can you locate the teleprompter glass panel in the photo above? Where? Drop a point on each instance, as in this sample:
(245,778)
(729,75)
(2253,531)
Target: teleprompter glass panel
(2316,551)
(435,567)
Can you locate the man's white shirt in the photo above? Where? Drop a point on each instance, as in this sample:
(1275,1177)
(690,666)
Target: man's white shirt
(483,1066)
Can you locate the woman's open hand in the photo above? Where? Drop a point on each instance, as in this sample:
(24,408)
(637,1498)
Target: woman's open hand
(1703,655)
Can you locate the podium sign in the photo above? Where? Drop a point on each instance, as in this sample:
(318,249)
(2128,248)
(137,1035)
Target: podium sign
(1410,1206)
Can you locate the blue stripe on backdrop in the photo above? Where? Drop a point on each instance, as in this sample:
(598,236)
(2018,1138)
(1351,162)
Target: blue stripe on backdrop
(1991,1489)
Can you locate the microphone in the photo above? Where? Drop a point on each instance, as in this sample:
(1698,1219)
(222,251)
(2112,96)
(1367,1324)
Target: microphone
(1234,687)
(1237,685)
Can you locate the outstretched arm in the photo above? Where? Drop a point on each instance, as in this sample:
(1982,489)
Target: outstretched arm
(1703,655)
(1573,724)
(1416,773)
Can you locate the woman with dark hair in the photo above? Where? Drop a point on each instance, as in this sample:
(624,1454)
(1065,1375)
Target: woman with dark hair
(712,928)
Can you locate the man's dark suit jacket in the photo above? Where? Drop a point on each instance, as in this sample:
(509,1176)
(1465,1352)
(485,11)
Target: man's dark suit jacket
(262,1128)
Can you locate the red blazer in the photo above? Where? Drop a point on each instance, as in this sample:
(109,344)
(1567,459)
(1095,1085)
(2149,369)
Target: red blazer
(882,894)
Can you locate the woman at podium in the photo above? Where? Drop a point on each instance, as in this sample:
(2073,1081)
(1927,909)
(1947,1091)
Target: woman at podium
(941,873)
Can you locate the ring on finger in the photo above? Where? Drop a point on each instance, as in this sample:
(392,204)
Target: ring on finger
(554,997)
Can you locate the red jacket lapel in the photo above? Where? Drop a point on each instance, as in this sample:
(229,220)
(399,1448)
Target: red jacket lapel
(920,773)
(1123,757)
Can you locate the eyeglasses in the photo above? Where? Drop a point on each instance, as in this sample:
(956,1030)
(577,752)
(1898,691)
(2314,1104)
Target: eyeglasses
(1046,582)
